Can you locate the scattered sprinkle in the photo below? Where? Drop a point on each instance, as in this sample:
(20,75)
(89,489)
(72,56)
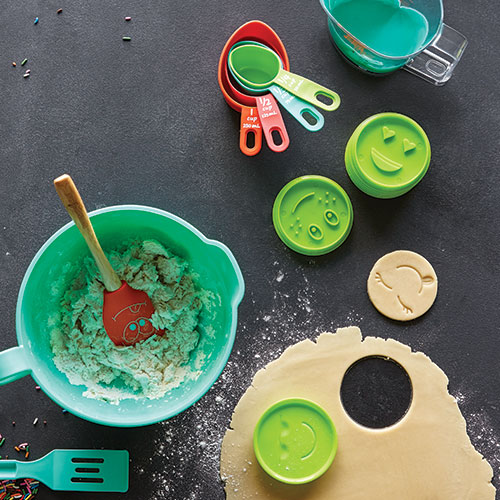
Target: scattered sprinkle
(35,421)
(128,18)
(20,489)
(26,75)
(45,422)
(14,64)
(13,423)
(65,411)
(28,71)
(24,62)
(126,39)
(23,447)
(59,11)
(2,440)
(35,21)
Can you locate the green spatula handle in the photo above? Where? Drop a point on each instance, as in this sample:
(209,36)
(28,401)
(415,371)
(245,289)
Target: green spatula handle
(14,469)
(308,90)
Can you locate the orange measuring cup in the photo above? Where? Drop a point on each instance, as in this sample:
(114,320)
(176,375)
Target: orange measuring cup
(247,104)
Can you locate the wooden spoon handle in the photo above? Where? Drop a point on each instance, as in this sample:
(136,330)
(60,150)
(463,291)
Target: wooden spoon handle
(73,203)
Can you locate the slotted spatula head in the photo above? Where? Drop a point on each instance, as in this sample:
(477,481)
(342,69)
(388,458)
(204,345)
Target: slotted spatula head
(88,470)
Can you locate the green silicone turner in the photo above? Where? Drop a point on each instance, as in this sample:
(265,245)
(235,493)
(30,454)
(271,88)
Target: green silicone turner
(74,470)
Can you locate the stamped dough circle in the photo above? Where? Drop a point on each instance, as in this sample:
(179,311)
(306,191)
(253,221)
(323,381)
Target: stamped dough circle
(426,455)
(402,285)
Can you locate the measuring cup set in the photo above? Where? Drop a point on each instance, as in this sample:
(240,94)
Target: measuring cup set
(377,36)
(254,76)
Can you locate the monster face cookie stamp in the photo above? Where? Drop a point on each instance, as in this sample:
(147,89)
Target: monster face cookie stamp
(312,215)
(387,155)
(402,285)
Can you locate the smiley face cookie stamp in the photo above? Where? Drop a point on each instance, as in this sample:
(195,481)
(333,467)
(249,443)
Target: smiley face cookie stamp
(402,285)
(387,155)
(312,215)
(295,441)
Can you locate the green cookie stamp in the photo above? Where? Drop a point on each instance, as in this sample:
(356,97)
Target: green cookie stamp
(295,441)
(312,215)
(387,155)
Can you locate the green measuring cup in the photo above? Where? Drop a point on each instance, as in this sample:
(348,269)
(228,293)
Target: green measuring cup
(306,114)
(259,68)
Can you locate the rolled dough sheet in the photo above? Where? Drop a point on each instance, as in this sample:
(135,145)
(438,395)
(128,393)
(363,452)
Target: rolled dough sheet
(427,455)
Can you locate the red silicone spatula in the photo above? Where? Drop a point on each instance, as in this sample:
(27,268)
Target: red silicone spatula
(126,312)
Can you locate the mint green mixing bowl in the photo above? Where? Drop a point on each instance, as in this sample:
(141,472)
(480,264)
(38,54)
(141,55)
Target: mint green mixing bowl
(217,269)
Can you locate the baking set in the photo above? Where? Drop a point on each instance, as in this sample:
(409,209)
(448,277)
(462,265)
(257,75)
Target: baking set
(387,155)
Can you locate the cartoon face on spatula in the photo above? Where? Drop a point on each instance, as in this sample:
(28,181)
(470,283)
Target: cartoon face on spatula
(126,311)
(126,314)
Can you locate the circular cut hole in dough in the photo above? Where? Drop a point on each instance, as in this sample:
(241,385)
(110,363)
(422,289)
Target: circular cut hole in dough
(376,392)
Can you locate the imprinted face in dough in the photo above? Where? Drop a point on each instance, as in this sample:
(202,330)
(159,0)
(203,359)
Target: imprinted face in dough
(402,285)
(427,455)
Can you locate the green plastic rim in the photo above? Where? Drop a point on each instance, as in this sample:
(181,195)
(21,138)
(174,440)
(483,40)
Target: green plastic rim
(295,441)
(387,155)
(255,66)
(245,87)
(361,184)
(313,215)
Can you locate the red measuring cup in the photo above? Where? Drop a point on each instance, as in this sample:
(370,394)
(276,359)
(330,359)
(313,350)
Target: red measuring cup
(260,107)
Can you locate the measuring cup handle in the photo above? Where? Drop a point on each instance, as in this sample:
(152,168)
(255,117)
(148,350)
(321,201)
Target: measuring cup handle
(308,90)
(298,108)
(438,60)
(272,121)
(250,124)
(13,365)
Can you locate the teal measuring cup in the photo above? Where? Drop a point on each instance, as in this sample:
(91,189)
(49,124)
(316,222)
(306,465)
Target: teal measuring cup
(37,302)
(259,68)
(306,114)
(381,36)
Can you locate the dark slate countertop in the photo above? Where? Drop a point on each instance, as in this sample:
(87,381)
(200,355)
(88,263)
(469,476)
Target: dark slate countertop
(144,122)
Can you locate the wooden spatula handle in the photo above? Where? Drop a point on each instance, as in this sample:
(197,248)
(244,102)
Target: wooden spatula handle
(73,203)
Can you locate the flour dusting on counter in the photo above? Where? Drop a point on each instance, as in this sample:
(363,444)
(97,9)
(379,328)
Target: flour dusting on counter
(85,353)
